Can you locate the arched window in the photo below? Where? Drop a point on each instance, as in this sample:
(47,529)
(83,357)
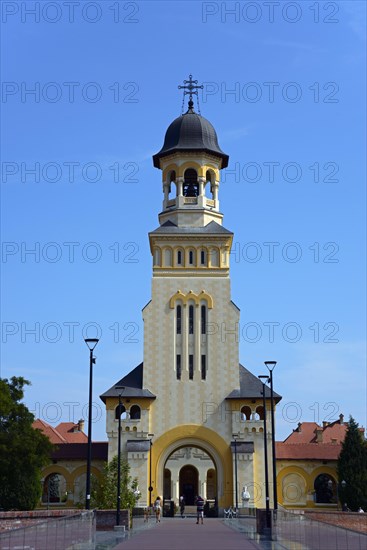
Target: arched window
(203,319)
(178,367)
(259,415)
(179,257)
(202,257)
(191,257)
(191,319)
(191,185)
(178,319)
(203,367)
(135,412)
(54,489)
(324,489)
(167,256)
(191,367)
(120,411)
(245,413)
(214,257)
(157,256)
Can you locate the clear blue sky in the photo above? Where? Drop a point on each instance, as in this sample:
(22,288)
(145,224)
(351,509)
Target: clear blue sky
(105,92)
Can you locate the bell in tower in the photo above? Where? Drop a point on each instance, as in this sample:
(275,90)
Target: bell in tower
(191,185)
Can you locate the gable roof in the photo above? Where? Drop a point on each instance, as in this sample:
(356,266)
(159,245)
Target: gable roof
(49,431)
(71,433)
(65,432)
(304,433)
(309,441)
(329,432)
(251,387)
(133,386)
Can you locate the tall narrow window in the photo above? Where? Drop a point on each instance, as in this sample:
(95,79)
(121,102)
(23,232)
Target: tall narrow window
(202,257)
(191,319)
(191,257)
(178,367)
(191,367)
(203,367)
(203,320)
(179,257)
(178,319)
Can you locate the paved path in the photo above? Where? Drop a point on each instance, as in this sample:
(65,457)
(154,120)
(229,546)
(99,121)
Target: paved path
(185,534)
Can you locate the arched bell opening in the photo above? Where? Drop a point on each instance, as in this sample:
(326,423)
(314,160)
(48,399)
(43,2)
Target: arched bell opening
(209,180)
(246,413)
(191,183)
(172,191)
(211,186)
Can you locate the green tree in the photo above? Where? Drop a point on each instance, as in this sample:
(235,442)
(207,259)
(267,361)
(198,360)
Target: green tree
(352,468)
(104,495)
(23,450)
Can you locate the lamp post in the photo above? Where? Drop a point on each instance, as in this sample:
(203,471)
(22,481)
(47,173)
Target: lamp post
(343,483)
(91,343)
(235,436)
(337,485)
(150,488)
(118,504)
(271,366)
(266,456)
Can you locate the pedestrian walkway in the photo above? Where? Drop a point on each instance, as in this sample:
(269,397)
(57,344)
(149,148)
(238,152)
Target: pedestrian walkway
(185,534)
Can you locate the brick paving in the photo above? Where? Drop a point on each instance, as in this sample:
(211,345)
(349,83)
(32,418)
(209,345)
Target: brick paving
(184,534)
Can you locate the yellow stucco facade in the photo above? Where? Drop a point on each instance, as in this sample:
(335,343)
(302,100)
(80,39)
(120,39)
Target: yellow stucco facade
(296,482)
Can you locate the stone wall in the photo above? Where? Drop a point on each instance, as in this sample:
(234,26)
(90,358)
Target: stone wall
(16,519)
(106,519)
(348,520)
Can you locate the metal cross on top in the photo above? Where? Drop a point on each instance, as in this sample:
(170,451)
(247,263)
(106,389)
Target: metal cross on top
(191,87)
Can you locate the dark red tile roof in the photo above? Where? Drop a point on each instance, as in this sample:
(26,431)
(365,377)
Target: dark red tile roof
(307,451)
(78,451)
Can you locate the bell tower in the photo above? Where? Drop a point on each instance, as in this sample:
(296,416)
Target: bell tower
(190,395)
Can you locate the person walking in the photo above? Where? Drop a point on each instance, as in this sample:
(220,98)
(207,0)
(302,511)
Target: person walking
(199,509)
(157,509)
(182,505)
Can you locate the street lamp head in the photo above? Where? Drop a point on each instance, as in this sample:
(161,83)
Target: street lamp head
(236,435)
(343,483)
(270,365)
(120,388)
(91,343)
(263,376)
(150,435)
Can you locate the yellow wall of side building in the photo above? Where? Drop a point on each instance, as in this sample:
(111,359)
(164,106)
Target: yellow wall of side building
(71,470)
(295,482)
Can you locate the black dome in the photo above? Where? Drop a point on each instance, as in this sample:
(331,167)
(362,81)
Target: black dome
(190,132)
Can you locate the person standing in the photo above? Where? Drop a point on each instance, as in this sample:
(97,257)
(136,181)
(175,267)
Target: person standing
(199,509)
(157,509)
(182,505)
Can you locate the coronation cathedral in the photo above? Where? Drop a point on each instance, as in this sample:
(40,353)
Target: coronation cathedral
(191,416)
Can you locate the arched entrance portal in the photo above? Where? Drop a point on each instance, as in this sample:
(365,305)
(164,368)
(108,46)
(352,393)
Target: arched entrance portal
(192,473)
(188,483)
